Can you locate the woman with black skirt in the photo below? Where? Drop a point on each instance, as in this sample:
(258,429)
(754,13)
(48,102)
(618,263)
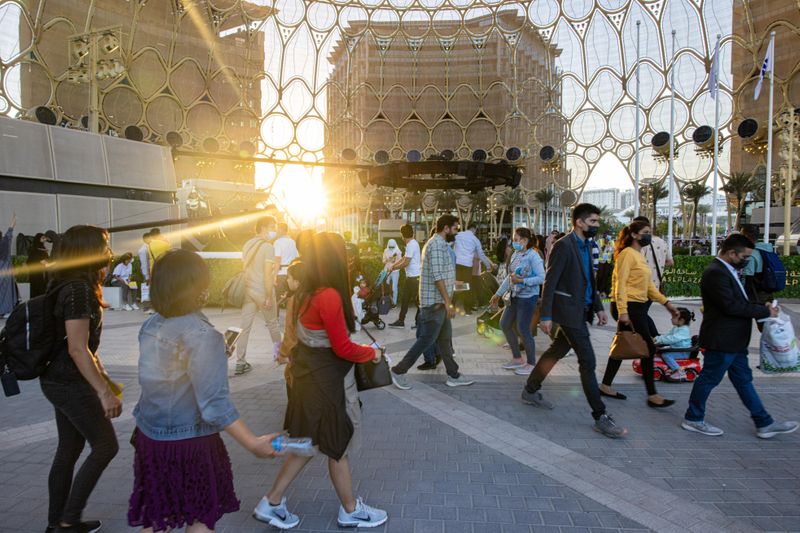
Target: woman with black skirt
(323,402)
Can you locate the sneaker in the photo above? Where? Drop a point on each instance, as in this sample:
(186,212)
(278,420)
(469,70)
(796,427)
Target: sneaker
(275,515)
(524,370)
(150,312)
(676,376)
(243,368)
(606,425)
(363,516)
(513,365)
(89,526)
(701,427)
(427,366)
(128,308)
(460,381)
(776,428)
(535,399)
(135,307)
(398,324)
(400,381)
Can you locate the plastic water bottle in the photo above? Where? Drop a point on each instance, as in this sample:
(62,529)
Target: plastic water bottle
(518,272)
(301,446)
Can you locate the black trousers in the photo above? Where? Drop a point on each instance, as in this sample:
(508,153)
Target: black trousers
(410,294)
(79,418)
(466,298)
(579,340)
(637,312)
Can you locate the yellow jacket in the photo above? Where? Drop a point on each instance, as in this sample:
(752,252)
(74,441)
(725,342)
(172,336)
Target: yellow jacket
(632,281)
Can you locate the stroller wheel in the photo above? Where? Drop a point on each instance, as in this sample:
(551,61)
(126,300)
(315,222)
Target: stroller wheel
(380,324)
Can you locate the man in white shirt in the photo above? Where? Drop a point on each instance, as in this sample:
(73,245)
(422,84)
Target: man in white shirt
(411,262)
(285,253)
(144,266)
(467,248)
(258,257)
(121,277)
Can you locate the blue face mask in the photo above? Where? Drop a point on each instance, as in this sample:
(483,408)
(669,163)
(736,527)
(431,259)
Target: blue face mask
(517,246)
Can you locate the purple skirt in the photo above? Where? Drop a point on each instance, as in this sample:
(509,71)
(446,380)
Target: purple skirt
(177,483)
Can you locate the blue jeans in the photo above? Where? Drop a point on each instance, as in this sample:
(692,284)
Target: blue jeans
(433,329)
(715,364)
(520,312)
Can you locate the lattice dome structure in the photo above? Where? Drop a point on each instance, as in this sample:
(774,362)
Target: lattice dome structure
(305,80)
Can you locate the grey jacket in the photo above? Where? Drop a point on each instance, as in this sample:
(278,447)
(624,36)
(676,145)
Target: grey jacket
(565,286)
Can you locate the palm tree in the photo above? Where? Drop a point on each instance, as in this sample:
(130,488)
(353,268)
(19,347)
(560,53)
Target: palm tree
(703,210)
(737,187)
(544,197)
(694,192)
(653,193)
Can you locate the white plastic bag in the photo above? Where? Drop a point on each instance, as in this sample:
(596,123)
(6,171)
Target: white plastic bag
(145,294)
(779,352)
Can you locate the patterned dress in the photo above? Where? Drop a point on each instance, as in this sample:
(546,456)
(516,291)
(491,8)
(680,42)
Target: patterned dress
(8,287)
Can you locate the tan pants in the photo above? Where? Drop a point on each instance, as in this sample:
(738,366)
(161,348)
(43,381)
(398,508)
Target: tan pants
(353,411)
(253,306)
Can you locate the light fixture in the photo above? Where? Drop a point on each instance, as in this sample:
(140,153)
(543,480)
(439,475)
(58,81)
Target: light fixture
(210,144)
(247,149)
(109,43)
(174,139)
(660,144)
(45,115)
(414,156)
(348,154)
(78,75)
(79,48)
(479,155)
(447,155)
(134,133)
(513,153)
(381,157)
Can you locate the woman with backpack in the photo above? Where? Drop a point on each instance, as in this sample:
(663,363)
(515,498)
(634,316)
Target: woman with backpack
(75,382)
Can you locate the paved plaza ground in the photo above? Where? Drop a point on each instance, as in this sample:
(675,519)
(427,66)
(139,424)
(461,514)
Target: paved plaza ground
(466,460)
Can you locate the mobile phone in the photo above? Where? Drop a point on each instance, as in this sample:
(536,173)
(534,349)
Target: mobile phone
(231,336)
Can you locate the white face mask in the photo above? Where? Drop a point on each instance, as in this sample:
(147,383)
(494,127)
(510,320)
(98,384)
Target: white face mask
(271,235)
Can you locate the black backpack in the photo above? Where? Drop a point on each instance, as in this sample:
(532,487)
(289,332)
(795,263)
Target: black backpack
(28,340)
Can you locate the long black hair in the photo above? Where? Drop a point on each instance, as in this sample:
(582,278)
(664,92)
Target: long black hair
(325,258)
(83,253)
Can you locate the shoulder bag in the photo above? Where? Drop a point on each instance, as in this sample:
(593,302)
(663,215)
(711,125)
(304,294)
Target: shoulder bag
(628,344)
(234,290)
(372,375)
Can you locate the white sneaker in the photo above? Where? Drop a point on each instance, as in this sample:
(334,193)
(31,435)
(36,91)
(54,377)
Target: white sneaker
(363,516)
(524,370)
(128,307)
(135,307)
(701,427)
(276,515)
(460,381)
(512,365)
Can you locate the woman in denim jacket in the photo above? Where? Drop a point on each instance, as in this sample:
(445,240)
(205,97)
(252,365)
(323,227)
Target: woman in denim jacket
(182,473)
(526,275)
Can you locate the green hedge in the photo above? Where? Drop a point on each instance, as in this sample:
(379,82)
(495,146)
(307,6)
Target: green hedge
(681,280)
(684,278)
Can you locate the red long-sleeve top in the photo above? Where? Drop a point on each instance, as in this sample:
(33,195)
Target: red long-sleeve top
(324,311)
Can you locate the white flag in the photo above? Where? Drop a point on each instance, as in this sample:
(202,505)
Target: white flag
(713,76)
(767,66)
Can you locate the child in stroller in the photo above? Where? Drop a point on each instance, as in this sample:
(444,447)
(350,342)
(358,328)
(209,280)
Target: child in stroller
(374,301)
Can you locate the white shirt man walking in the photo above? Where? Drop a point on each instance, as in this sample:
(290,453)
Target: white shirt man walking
(285,253)
(467,248)
(258,256)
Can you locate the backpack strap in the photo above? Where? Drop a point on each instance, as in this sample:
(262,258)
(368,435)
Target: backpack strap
(655,261)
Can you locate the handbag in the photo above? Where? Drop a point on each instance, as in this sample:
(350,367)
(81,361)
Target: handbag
(234,290)
(372,375)
(628,344)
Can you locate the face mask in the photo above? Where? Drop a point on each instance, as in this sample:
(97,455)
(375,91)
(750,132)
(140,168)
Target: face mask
(391,247)
(591,231)
(517,246)
(645,239)
(271,235)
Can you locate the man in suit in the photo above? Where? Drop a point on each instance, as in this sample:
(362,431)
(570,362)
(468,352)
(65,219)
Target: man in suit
(570,301)
(725,335)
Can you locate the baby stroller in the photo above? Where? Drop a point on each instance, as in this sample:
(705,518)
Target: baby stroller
(690,365)
(377,303)
(488,323)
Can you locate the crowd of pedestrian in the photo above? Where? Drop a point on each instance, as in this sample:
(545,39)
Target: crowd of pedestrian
(182,472)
